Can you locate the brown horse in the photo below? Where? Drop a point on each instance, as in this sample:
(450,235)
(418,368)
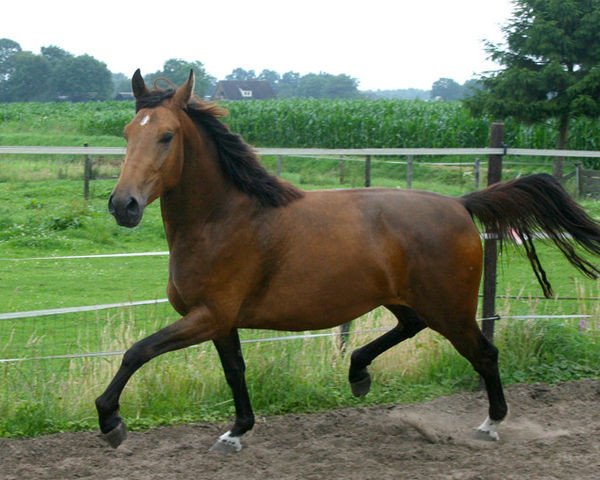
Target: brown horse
(248,250)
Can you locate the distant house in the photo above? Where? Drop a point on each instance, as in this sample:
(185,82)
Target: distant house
(124,96)
(243,90)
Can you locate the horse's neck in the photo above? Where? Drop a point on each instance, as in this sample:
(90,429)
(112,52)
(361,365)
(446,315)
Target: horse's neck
(201,194)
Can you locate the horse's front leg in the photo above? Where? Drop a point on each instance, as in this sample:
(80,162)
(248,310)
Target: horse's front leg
(230,353)
(195,327)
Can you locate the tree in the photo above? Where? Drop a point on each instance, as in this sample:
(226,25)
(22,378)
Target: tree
(54,74)
(551,61)
(177,71)
(471,87)
(8,49)
(121,82)
(341,86)
(326,85)
(82,78)
(55,54)
(272,77)
(446,89)
(241,74)
(28,79)
(288,85)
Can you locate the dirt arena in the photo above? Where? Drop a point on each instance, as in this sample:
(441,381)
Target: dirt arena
(553,433)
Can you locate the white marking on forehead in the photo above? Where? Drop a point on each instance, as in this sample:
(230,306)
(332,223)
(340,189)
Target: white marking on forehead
(145,120)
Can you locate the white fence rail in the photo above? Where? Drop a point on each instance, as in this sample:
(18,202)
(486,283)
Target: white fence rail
(530,152)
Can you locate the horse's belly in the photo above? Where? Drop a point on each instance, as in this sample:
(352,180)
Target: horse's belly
(308,318)
(317,303)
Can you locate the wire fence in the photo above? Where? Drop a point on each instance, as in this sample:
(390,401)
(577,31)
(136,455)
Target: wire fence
(67,333)
(39,327)
(337,333)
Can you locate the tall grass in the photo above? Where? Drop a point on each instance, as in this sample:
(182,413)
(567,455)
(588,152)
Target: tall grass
(299,375)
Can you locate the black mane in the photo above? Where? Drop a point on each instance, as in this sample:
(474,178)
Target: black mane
(238,160)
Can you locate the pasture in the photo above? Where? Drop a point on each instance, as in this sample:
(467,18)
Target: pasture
(48,218)
(42,214)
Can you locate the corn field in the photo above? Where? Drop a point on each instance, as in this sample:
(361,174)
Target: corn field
(299,123)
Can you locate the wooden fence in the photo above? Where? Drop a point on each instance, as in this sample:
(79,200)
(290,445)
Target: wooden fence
(588,182)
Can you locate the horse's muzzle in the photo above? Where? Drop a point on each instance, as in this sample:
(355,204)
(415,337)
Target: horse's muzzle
(127,210)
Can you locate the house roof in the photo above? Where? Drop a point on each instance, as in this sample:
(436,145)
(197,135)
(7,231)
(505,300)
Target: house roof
(243,90)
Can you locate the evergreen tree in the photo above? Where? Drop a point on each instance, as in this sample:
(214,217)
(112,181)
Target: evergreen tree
(551,60)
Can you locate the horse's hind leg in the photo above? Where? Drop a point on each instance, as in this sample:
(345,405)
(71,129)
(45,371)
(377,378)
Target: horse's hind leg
(409,324)
(472,344)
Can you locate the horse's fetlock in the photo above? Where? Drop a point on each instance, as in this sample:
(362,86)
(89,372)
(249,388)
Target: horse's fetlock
(357,361)
(242,425)
(355,376)
(498,412)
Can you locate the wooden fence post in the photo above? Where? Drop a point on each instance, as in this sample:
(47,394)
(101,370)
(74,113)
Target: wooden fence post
(490,256)
(409,171)
(578,180)
(477,173)
(342,170)
(279,165)
(344,329)
(87,175)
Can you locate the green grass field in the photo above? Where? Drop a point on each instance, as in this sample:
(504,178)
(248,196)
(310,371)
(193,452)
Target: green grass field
(47,217)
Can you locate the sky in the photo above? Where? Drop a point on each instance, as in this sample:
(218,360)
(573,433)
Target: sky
(383,44)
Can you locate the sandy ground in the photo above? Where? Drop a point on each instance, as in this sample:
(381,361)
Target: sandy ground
(553,433)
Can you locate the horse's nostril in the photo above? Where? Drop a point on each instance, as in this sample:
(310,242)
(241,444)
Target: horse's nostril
(126,209)
(111,206)
(133,207)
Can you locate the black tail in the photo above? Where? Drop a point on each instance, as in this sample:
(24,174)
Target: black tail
(532,204)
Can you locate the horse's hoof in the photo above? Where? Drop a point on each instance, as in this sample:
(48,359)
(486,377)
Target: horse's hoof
(487,431)
(227,444)
(116,436)
(361,387)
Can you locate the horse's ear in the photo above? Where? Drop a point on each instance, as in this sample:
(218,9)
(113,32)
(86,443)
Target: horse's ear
(184,93)
(138,85)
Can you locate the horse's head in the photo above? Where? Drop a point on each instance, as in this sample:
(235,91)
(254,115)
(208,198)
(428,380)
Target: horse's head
(154,158)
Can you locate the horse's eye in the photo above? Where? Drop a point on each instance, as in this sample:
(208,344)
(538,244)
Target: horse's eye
(166,137)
